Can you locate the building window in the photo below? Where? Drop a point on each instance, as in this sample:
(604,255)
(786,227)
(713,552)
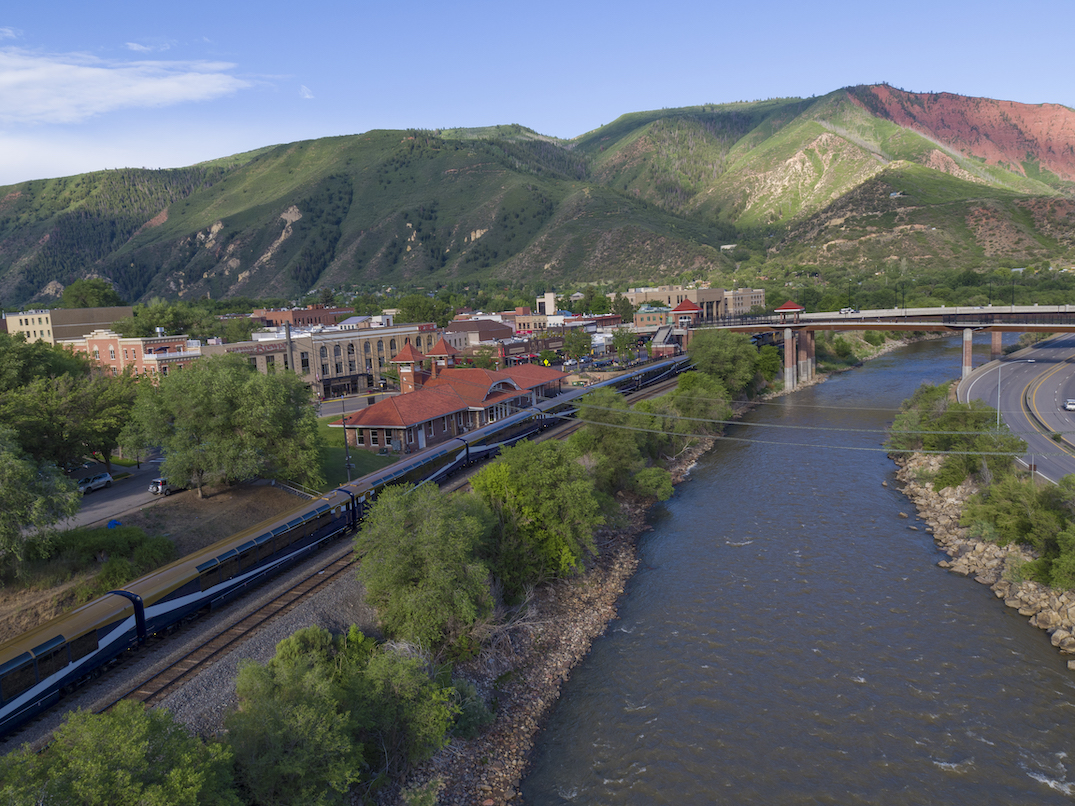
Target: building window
(380,346)
(324,351)
(360,439)
(392,345)
(366,348)
(350,349)
(410,436)
(350,365)
(380,362)
(164,370)
(336,352)
(369,365)
(305,358)
(324,370)
(339,368)
(96,354)
(374,436)
(429,428)
(270,361)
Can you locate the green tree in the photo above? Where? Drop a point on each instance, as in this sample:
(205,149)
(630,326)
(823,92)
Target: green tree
(33,497)
(609,443)
(420,563)
(294,741)
(221,420)
(547,511)
(624,341)
(728,357)
(577,343)
(95,293)
(128,755)
(623,308)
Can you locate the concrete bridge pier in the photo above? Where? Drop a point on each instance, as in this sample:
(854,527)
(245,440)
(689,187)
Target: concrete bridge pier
(811,355)
(789,358)
(803,365)
(968,350)
(996,349)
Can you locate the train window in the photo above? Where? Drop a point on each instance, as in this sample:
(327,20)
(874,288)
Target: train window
(265,546)
(209,574)
(281,533)
(52,661)
(20,678)
(229,564)
(248,554)
(83,645)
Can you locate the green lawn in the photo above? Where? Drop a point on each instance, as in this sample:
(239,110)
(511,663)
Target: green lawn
(333,456)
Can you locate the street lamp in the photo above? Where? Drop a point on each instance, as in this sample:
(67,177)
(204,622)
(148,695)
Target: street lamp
(346,447)
(1000,366)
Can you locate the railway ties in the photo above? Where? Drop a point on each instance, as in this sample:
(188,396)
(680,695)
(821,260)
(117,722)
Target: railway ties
(154,689)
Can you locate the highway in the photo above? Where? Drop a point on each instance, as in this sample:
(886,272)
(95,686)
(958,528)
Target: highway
(1033,385)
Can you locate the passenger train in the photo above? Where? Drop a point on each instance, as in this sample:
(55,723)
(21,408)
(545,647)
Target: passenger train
(47,662)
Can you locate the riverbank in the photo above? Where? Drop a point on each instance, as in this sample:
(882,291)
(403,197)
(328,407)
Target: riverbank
(523,674)
(536,656)
(987,563)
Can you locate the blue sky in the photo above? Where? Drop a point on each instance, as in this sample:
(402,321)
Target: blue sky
(86,86)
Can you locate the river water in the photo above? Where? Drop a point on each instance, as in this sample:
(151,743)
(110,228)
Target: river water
(789,639)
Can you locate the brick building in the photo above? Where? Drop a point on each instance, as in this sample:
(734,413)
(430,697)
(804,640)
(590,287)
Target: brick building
(445,401)
(151,355)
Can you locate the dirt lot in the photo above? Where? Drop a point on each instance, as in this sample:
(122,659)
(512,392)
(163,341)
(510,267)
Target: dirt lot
(190,522)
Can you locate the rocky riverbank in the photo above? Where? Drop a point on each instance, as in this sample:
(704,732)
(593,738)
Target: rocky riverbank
(996,566)
(524,673)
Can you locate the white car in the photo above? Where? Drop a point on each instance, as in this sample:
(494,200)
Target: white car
(162,487)
(95,482)
(1069,404)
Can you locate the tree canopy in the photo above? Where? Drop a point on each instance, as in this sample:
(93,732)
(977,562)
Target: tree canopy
(221,420)
(420,563)
(95,293)
(33,497)
(128,755)
(728,357)
(547,510)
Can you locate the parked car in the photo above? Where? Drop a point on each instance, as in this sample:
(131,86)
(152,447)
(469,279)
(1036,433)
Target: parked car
(162,487)
(95,482)
(1069,404)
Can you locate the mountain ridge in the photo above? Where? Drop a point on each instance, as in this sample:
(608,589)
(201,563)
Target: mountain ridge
(842,182)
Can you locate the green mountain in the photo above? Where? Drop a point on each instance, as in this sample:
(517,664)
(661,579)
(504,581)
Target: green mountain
(850,181)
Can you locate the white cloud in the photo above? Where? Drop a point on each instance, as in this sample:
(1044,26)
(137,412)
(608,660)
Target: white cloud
(304,92)
(9,33)
(71,87)
(139,48)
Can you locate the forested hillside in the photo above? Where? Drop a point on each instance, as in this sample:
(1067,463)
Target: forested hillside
(845,183)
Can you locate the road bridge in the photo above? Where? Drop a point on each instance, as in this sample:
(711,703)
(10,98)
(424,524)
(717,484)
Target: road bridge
(798,328)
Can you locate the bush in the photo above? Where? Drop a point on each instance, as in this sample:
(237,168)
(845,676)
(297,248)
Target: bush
(874,337)
(474,714)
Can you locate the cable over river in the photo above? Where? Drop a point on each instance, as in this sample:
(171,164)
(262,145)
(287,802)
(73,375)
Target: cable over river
(789,638)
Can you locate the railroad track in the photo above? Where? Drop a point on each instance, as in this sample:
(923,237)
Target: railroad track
(161,684)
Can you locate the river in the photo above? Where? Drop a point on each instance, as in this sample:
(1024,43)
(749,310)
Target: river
(788,637)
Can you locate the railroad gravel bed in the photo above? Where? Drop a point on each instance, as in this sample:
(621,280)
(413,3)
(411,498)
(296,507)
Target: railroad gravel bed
(158,655)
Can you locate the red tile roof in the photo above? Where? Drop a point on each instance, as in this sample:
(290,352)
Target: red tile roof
(408,355)
(442,349)
(686,306)
(452,391)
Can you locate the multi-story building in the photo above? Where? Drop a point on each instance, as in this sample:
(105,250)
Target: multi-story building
(333,361)
(150,355)
(64,324)
(309,316)
(740,301)
(713,303)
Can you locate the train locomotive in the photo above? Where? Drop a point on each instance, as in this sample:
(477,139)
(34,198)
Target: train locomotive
(45,663)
